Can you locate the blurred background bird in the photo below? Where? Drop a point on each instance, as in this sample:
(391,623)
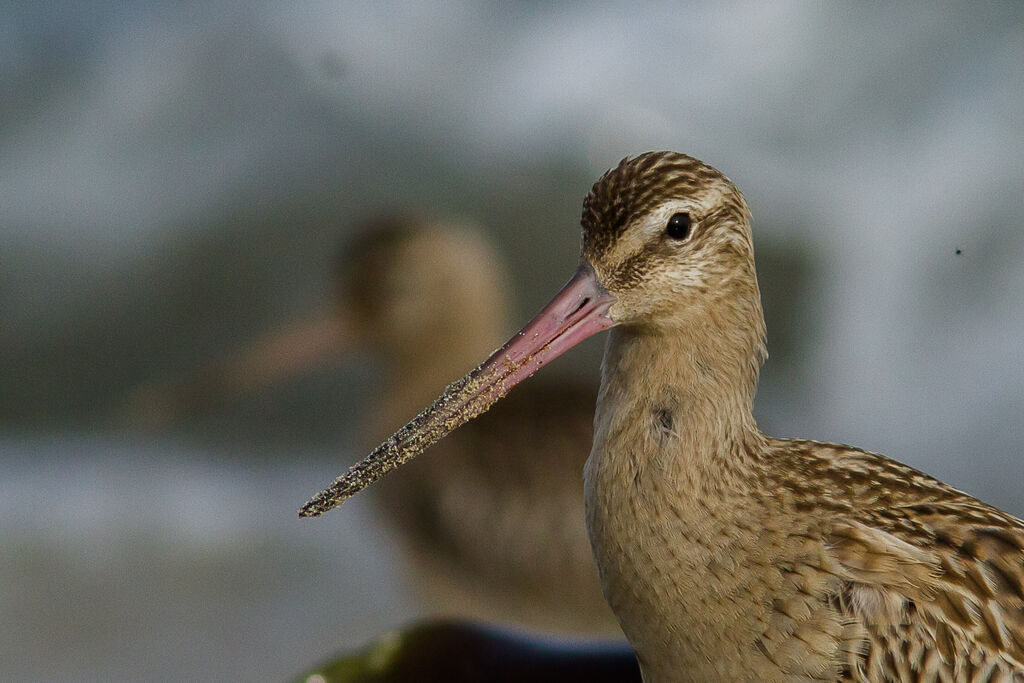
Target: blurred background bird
(174,180)
(493,524)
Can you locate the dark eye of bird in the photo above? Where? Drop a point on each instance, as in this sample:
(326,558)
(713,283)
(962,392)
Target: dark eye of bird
(678,227)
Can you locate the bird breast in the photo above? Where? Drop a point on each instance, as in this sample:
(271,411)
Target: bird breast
(684,537)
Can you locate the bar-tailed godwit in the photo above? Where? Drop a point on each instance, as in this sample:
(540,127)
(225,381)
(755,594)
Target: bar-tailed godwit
(726,554)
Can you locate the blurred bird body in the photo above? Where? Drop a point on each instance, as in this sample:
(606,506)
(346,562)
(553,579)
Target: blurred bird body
(726,554)
(494,526)
(494,518)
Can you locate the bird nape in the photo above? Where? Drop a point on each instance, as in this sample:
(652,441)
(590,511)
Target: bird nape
(727,554)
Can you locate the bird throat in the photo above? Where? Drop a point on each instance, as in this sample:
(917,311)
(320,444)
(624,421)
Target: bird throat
(672,471)
(683,398)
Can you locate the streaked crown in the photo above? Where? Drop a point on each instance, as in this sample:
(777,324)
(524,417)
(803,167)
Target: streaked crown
(640,184)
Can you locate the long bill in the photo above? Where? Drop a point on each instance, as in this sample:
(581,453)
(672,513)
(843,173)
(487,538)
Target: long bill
(578,311)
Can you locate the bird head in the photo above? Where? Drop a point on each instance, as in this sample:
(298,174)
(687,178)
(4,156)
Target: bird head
(666,245)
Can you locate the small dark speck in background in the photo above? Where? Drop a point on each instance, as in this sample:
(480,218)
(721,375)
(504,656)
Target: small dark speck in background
(959,251)
(332,65)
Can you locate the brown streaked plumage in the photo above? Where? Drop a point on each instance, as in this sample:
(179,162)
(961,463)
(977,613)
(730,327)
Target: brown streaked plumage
(726,554)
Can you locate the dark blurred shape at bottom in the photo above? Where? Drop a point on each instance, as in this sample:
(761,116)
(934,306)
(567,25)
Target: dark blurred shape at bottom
(454,651)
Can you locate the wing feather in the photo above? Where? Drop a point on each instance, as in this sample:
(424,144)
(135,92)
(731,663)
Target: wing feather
(931,579)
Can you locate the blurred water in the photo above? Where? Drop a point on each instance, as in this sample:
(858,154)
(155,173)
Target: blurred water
(128,561)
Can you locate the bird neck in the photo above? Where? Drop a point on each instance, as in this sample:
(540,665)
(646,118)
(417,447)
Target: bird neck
(671,487)
(688,401)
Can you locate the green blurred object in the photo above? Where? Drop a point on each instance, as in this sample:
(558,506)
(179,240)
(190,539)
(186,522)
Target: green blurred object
(454,651)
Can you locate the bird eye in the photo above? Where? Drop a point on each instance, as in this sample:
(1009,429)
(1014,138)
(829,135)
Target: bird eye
(678,227)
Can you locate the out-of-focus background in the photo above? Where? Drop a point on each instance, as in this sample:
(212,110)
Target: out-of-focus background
(174,180)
